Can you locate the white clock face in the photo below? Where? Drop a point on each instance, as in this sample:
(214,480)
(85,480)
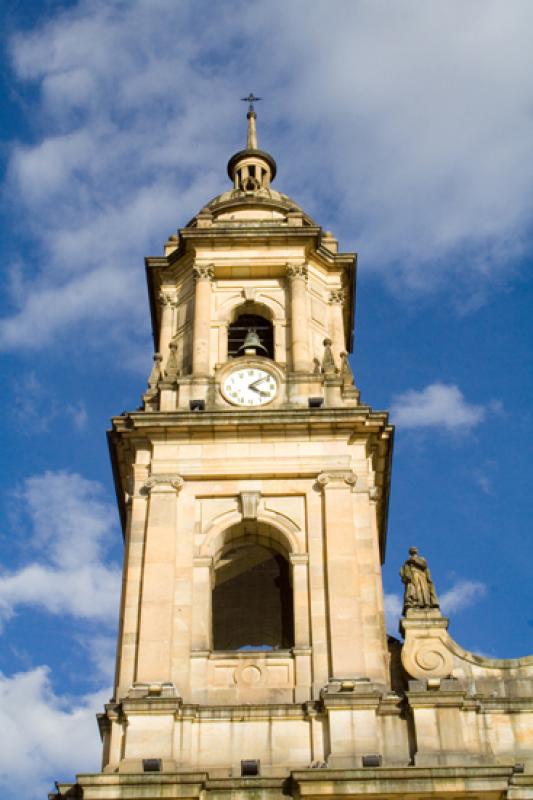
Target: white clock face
(249,386)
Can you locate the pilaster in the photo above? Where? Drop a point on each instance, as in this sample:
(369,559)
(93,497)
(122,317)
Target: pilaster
(297,277)
(203,274)
(157,616)
(346,640)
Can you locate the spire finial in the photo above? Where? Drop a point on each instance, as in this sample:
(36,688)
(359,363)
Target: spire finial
(251,99)
(251,138)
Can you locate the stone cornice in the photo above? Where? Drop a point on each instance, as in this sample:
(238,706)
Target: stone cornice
(359,421)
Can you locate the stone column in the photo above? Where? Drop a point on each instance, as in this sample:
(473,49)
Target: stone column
(297,275)
(345,626)
(202,319)
(165,331)
(159,581)
(336,301)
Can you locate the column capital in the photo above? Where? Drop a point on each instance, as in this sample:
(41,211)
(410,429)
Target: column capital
(166,299)
(203,272)
(296,271)
(163,483)
(336,478)
(336,296)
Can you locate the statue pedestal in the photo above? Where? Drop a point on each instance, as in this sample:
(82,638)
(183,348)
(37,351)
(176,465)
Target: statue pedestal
(425,653)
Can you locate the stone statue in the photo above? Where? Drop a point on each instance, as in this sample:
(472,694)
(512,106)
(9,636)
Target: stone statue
(346,370)
(328,362)
(419,589)
(151,396)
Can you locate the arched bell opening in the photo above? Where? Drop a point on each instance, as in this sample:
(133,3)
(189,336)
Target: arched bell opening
(252,602)
(250,334)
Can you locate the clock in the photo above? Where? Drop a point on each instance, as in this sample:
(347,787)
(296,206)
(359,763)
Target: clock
(249,386)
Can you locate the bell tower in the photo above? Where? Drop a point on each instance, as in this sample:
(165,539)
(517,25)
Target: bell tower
(252,486)
(252,483)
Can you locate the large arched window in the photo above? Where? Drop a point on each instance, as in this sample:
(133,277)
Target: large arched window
(252,602)
(238,330)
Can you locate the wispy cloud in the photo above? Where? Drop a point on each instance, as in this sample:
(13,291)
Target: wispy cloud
(439,405)
(70,526)
(461,595)
(36,407)
(433,171)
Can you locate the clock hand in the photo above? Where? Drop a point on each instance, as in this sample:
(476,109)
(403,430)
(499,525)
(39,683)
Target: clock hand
(254,384)
(255,389)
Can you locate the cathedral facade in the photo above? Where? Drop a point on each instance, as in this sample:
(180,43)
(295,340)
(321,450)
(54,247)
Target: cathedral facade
(253,488)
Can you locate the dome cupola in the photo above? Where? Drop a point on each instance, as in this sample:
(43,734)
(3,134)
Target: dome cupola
(251,169)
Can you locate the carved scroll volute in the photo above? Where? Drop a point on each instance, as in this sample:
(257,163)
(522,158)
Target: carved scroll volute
(163,483)
(424,653)
(337,477)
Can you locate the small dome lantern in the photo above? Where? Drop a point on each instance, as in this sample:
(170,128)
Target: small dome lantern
(252,169)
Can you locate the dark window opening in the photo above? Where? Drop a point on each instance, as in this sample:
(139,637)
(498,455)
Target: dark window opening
(252,600)
(237,334)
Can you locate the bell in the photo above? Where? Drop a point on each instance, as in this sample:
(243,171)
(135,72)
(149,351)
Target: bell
(252,344)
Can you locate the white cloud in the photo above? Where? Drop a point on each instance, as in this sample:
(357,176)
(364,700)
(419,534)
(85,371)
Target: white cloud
(101,651)
(461,595)
(410,138)
(439,405)
(393,611)
(45,734)
(78,415)
(71,527)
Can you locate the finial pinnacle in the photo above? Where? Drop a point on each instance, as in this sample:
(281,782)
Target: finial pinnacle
(251,99)
(251,138)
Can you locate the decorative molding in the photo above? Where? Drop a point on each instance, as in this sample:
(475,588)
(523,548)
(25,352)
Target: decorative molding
(204,272)
(337,296)
(250,504)
(299,558)
(174,481)
(337,476)
(296,271)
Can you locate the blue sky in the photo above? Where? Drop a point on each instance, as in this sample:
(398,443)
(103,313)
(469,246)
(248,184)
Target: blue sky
(405,128)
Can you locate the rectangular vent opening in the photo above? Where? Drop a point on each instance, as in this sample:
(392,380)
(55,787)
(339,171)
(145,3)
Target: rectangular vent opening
(316,402)
(151,765)
(373,760)
(197,405)
(249,768)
